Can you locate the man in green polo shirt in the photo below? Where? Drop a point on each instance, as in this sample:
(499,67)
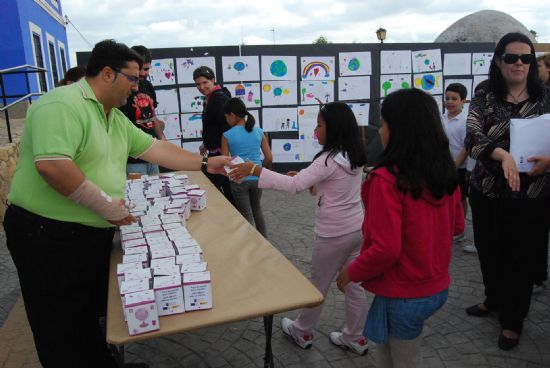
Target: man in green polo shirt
(66,198)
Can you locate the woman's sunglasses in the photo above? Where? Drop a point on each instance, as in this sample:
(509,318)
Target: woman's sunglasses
(513,58)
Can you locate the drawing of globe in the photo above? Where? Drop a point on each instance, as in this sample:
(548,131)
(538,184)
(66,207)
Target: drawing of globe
(354,64)
(287,147)
(278,68)
(239,66)
(428,82)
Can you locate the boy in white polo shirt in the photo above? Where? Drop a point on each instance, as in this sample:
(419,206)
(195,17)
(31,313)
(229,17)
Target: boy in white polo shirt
(454,122)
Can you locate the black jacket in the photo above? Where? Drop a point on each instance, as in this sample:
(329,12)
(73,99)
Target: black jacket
(213,119)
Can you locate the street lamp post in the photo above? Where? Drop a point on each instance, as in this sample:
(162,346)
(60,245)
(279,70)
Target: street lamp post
(381,34)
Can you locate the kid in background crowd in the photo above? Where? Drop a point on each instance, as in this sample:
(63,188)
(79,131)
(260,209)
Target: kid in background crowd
(412,209)
(334,177)
(245,140)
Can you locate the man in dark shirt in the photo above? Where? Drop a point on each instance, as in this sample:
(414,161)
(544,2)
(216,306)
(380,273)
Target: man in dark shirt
(140,109)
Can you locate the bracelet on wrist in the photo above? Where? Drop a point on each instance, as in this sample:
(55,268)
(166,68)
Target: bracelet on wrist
(253,168)
(204,164)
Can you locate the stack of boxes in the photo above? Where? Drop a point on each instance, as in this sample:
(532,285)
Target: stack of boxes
(163,271)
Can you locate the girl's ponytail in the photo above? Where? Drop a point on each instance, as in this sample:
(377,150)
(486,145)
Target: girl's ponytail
(250,121)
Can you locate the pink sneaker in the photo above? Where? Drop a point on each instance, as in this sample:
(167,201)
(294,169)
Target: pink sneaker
(360,346)
(304,342)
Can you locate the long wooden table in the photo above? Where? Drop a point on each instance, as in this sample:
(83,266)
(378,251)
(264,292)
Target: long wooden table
(250,278)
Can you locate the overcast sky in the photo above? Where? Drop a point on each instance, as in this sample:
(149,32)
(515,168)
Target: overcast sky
(182,23)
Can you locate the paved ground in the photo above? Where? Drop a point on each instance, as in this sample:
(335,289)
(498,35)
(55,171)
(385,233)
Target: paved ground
(450,338)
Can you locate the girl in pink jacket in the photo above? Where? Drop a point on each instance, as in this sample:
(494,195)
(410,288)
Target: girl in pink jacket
(413,208)
(334,177)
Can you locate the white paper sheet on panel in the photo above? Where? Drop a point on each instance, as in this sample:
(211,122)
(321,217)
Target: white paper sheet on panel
(457,64)
(394,82)
(317,68)
(167,101)
(248,92)
(192,146)
(186,66)
(162,72)
(353,88)
(354,63)
(279,68)
(316,92)
(279,93)
(481,61)
(286,150)
(395,62)
(240,68)
(431,83)
(191,100)
(279,119)
(361,112)
(426,61)
(172,129)
(191,125)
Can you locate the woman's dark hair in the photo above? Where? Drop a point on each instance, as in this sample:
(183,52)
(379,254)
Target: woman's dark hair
(342,134)
(112,54)
(458,88)
(236,106)
(204,71)
(417,152)
(73,75)
(144,52)
(497,84)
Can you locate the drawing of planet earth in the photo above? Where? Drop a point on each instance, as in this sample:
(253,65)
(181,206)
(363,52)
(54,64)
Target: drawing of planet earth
(354,64)
(278,68)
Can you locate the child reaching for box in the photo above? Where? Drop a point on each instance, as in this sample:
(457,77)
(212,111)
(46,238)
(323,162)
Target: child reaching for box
(335,178)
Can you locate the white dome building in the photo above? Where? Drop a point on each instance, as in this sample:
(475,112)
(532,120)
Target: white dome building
(483,26)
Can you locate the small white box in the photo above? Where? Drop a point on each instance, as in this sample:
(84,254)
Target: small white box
(138,274)
(163,261)
(194,267)
(197,290)
(133,286)
(152,228)
(173,226)
(131,236)
(190,250)
(128,229)
(188,258)
(133,258)
(141,311)
(169,295)
(191,187)
(198,199)
(167,270)
(121,269)
(162,253)
(136,250)
(133,243)
(234,161)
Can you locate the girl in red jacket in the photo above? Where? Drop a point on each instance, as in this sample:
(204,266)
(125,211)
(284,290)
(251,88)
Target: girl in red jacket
(412,210)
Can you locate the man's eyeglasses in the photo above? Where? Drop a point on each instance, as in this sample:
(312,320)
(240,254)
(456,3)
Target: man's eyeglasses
(131,78)
(513,58)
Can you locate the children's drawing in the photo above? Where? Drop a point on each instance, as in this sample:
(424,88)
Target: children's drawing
(286,150)
(172,128)
(279,93)
(457,64)
(256,114)
(390,83)
(162,72)
(361,112)
(353,88)
(240,68)
(279,68)
(167,101)
(191,125)
(316,92)
(429,82)
(395,62)
(318,68)
(191,100)
(465,82)
(279,119)
(426,61)
(481,62)
(186,66)
(354,63)
(192,146)
(249,93)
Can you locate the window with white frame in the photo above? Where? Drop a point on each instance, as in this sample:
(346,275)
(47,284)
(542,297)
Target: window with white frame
(63,58)
(53,59)
(38,54)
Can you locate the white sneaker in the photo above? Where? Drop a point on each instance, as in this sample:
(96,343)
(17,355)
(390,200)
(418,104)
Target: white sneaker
(360,346)
(304,342)
(469,249)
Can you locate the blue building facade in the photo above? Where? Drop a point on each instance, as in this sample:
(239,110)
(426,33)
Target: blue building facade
(33,32)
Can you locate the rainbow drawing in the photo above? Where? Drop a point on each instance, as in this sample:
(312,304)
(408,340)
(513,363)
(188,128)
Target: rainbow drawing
(312,70)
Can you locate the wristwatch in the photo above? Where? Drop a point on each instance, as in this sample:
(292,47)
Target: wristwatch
(204,164)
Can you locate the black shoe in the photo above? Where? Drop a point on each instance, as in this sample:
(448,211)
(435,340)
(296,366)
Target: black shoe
(476,310)
(507,343)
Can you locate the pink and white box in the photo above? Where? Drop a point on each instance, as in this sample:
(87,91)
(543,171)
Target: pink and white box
(166,270)
(133,258)
(169,295)
(142,249)
(141,312)
(198,199)
(197,290)
(194,267)
(163,261)
(121,269)
(189,258)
